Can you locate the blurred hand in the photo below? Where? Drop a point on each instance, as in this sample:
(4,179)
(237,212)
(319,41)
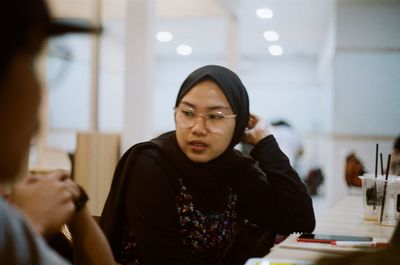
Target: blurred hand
(257,129)
(46,201)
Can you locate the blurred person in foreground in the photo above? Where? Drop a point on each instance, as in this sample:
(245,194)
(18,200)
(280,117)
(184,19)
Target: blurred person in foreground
(37,205)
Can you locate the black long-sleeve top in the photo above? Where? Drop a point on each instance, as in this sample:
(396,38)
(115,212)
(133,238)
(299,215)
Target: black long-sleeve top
(270,195)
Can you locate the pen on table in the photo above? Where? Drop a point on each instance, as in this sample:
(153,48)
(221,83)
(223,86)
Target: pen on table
(357,244)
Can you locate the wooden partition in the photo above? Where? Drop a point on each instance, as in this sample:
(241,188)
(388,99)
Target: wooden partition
(96,157)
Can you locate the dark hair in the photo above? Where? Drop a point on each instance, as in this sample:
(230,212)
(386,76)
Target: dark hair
(19,20)
(231,86)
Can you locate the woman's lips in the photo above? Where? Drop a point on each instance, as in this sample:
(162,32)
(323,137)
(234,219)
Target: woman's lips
(198,146)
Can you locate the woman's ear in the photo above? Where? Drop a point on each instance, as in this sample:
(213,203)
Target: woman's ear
(251,123)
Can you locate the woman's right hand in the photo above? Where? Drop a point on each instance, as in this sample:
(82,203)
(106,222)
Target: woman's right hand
(257,129)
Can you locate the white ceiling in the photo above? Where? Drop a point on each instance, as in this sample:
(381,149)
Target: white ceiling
(301,25)
(203,24)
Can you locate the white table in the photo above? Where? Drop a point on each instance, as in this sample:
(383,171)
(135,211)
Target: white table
(346,218)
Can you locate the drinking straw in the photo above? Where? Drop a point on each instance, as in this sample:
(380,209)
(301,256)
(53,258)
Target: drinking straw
(376,175)
(376,160)
(382,171)
(384,188)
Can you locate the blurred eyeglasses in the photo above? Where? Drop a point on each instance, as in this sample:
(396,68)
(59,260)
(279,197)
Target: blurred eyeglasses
(215,122)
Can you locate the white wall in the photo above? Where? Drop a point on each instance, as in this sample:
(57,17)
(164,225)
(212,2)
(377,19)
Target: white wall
(367,92)
(368,69)
(112,76)
(69,84)
(68,69)
(285,88)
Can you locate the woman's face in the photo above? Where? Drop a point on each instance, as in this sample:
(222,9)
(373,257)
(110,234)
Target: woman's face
(210,135)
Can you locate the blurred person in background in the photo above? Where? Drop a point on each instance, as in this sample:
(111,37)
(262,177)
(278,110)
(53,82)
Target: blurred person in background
(395,160)
(353,169)
(289,141)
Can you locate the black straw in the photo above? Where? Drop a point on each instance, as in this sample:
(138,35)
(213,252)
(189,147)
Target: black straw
(384,188)
(376,175)
(382,171)
(376,160)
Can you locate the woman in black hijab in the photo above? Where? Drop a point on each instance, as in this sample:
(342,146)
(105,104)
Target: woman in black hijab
(183,197)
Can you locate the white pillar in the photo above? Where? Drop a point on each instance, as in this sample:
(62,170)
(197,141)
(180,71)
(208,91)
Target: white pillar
(232,53)
(95,68)
(138,101)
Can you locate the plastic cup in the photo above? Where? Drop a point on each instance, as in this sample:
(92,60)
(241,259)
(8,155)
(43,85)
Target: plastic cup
(373,190)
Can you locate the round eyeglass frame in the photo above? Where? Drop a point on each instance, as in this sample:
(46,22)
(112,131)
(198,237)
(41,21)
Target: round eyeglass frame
(201,115)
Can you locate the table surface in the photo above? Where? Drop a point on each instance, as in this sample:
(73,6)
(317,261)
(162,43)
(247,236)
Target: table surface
(345,218)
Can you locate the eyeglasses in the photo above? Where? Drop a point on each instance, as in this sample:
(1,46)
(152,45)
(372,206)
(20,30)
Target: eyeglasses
(215,122)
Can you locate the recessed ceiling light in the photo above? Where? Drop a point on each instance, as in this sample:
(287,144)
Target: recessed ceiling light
(184,50)
(164,36)
(271,35)
(264,13)
(275,50)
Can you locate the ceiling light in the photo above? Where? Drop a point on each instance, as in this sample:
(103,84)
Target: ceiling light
(264,13)
(271,35)
(164,36)
(275,50)
(184,49)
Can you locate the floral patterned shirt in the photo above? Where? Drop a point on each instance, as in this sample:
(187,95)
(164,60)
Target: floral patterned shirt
(208,236)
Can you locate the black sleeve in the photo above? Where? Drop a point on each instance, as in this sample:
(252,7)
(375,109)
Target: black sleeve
(274,197)
(151,213)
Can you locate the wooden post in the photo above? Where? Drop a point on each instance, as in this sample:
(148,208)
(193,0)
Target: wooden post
(96,157)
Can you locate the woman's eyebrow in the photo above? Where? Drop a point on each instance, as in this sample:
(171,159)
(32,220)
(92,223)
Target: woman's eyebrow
(188,104)
(216,107)
(219,108)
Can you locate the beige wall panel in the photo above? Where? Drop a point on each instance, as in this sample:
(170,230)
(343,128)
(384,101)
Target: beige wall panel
(189,8)
(111,9)
(96,157)
(72,8)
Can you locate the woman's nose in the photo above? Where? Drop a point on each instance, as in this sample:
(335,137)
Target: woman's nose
(199,126)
